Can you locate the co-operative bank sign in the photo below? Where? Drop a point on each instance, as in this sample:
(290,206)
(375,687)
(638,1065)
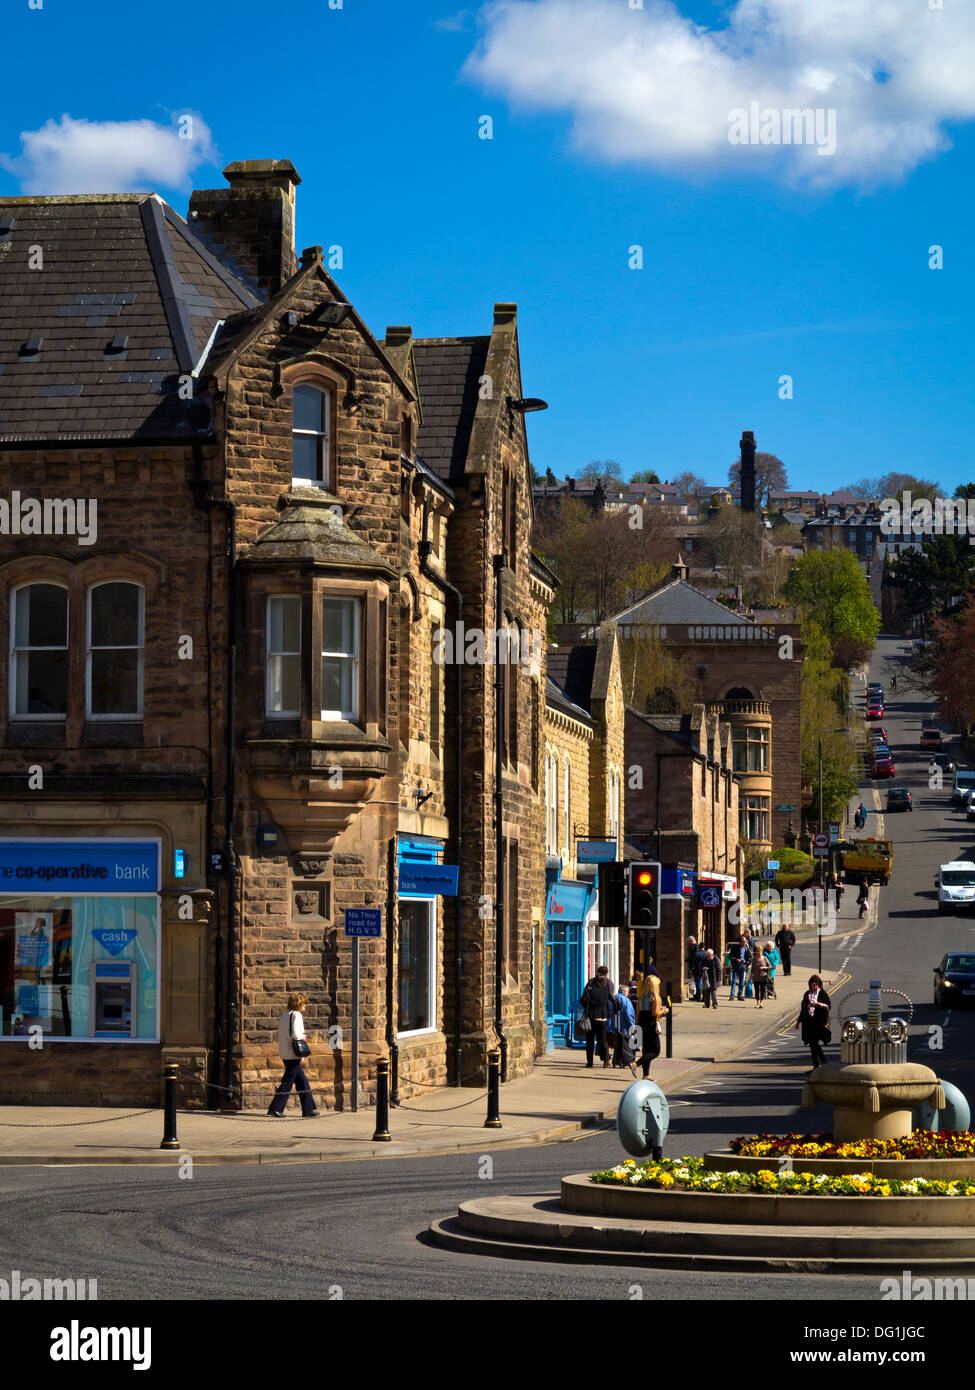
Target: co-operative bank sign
(79,866)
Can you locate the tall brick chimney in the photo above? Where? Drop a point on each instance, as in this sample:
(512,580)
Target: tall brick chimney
(250,226)
(747,475)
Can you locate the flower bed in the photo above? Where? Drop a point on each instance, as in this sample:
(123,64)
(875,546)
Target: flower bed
(922,1143)
(691,1175)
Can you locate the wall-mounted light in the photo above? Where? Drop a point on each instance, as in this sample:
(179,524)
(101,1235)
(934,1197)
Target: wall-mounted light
(528,404)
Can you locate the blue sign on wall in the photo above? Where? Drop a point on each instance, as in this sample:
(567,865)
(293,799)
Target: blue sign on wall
(114,939)
(428,880)
(79,866)
(595,851)
(363,921)
(676,883)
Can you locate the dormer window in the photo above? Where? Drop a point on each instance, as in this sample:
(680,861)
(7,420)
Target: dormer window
(311,432)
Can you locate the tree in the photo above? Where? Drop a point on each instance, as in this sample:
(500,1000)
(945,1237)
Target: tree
(550,479)
(601,473)
(536,476)
(689,484)
(770,476)
(558,538)
(823,710)
(830,587)
(932,578)
(966,490)
(737,540)
(952,675)
(655,679)
(623,551)
(895,484)
(644,475)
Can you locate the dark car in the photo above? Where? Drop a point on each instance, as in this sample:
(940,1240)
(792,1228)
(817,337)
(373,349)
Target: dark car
(899,799)
(944,761)
(954,980)
(875,689)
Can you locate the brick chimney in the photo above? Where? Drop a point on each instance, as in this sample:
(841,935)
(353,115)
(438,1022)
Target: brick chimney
(747,476)
(250,226)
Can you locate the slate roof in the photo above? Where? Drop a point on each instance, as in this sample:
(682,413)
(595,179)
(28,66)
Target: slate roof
(447,372)
(677,602)
(557,698)
(125,302)
(572,668)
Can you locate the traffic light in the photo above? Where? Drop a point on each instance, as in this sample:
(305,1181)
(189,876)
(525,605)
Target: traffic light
(643,895)
(611,877)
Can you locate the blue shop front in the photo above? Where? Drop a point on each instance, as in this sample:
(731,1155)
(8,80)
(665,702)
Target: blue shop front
(574,945)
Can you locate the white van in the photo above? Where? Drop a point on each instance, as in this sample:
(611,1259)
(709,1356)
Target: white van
(956,886)
(964,782)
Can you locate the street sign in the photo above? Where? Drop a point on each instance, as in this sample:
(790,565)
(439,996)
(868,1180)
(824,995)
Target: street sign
(708,894)
(428,879)
(785,808)
(363,921)
(595,851)
(767,875)
(834,831)
(772,864)
(821,840)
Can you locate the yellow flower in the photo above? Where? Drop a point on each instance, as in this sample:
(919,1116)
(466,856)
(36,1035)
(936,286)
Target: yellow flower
(666,1180)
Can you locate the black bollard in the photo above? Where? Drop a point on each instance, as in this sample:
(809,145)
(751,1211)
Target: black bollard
(669,1022)
(382,1134)
(493,1120)
(169,1139)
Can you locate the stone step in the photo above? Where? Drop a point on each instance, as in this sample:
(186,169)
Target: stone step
(538,1227)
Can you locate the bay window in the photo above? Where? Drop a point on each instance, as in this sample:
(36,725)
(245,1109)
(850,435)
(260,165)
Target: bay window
(283,676)
(340,658)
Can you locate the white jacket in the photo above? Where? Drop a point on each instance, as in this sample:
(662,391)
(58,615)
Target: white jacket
(285,1047)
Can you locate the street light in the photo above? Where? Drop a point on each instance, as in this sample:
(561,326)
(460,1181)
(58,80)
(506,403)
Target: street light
(819,873)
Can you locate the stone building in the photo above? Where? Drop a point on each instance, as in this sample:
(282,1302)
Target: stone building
(583,773)
(297,672)
(682,809)
(747,673)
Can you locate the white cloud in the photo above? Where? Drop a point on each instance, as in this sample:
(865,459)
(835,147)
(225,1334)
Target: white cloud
(454,23)
(650,86)
(79,156)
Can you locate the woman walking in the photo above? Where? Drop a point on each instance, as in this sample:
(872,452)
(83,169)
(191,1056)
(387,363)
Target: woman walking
(863,898)
(773,958)
(814,1020)
(760,969)
(651,1011)
(597,1007)
(291,1032)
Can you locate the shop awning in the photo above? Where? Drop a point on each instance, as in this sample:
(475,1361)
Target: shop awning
(569,901)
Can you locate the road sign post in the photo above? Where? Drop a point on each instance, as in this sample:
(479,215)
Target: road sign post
(359,922)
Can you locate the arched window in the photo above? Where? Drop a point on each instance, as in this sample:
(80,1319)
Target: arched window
(567,808)
(116,639)
(740,692)
(311,432)
(39,652)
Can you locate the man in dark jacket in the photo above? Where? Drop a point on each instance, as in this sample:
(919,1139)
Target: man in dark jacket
(711,978)
(599,1007)
(785,939)
(740,956)
(694,953)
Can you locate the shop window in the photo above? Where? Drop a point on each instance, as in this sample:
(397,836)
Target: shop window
(416,959)
(39,652)
(79,967)
(340,658)
(114,660)
(283,679)
(311,429)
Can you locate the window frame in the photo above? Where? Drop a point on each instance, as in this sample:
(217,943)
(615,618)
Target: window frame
(268,712)
(90,716)
(409,899)
(14,651)
(354,715)
(326,472)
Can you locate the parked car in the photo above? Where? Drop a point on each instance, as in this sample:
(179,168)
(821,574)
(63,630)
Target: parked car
(880,733)
(964,782)
(883,766)
(899,799)
(956,886)
(954,980)
(875,712)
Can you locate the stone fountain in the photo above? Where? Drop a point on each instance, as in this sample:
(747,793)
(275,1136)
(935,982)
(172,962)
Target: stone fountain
(874,1088)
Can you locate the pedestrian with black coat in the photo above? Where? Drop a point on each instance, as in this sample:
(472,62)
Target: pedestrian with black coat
(597,1006)
(863,897)
(785,939)
(814,1020)
(711,978)
(694,954)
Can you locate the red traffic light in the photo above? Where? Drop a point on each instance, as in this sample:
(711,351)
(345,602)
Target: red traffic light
(644,878)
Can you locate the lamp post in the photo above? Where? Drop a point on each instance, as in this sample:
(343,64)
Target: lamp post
(819,875)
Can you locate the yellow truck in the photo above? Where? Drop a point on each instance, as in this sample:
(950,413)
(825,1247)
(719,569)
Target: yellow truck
(868,858)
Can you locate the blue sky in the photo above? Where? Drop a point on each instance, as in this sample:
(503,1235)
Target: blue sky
(608,132)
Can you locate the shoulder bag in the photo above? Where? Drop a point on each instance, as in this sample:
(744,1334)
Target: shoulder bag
(300,1046)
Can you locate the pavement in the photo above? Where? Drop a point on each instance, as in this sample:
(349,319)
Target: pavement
(559,1098)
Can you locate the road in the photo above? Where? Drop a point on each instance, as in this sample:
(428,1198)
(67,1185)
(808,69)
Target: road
(339,1230)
